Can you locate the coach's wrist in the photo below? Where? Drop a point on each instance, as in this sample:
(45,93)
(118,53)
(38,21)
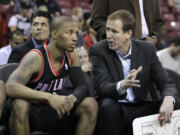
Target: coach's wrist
(119,88)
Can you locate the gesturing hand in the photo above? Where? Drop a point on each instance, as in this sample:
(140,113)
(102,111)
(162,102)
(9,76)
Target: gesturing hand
(59,104)
(130,81)
(166,110)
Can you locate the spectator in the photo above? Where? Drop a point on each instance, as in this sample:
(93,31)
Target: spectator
(79,13)
(80,41)
(123,69)
(164,42)
(84,59)
(21,21)
(31,3)
(90,36)
(16,38)
(42,63)
(40,30)
(6,2)
(7,5)
(170,57)
(52,6)
(90,4)
(147,14)
(86,66)
(43,8)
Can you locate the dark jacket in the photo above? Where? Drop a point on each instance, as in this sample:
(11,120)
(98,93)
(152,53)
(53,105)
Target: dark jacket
(107,69)
(17,53)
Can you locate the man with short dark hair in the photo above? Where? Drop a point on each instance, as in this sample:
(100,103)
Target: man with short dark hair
(39,81)
(123,69)
(40,30)
(15,39)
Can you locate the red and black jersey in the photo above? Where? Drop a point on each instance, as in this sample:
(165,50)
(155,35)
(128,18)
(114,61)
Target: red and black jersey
(48,79)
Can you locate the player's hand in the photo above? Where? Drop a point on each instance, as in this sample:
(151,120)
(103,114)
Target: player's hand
(130,81)
(59,104)
(70,99)
(166,111)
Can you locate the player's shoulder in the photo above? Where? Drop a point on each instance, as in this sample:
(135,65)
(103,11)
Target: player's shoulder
(33,59)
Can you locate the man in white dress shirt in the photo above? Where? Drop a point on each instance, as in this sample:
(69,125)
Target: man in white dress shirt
(16,38)
(124,69)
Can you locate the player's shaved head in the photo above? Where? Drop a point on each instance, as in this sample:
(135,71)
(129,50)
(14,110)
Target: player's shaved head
(58,22)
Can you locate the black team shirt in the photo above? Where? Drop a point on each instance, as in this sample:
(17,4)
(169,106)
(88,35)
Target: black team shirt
(48,80)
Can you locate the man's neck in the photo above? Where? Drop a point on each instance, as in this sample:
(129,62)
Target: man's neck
(55,53)
(125,49)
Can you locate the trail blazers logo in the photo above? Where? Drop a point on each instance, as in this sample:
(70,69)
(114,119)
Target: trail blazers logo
(53,86)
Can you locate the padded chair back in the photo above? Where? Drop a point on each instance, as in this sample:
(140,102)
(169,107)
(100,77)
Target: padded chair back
(6,70)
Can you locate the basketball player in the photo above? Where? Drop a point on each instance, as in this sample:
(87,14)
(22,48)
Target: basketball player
(39,79)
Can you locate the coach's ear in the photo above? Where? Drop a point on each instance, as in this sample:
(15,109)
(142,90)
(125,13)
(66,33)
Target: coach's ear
(54,34)
(128,34)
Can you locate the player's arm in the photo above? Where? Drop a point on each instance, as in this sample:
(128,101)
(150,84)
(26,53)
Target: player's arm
(75,59)
(16,85)
(77,78)
(29,66)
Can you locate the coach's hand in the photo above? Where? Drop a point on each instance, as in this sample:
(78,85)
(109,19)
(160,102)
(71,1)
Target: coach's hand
(166,110)
(130,81)
(59,104)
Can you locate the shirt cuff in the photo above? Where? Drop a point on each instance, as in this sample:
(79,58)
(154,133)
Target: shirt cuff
(174,101)
(119,89)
